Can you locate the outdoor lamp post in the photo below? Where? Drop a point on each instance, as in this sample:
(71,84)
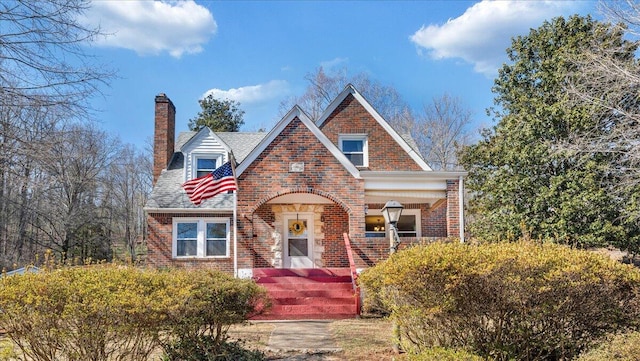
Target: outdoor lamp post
(391,212)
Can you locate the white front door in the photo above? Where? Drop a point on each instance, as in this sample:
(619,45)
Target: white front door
(298,240)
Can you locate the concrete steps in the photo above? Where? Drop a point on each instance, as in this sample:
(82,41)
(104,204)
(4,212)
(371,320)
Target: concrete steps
(298,294)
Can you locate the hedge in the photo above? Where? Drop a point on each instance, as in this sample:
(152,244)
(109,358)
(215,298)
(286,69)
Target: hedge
(112,312)
(506,301)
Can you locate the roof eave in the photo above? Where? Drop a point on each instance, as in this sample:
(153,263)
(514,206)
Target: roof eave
(187,210)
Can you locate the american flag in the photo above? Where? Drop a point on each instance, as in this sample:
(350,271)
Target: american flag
(205,187)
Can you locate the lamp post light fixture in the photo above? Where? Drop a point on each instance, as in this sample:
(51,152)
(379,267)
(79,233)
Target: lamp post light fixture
(392,211)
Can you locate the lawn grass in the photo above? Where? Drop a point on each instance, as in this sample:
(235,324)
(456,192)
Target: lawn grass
(365,339)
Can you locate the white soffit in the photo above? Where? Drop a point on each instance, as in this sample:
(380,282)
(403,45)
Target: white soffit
(407,194)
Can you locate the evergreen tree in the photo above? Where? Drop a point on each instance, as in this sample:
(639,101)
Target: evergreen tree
(522,185)
(218,115)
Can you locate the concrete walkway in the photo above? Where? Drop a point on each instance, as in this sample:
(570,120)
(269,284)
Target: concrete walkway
(304,336)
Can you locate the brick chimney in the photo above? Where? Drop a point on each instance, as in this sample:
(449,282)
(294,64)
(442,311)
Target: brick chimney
(164,134)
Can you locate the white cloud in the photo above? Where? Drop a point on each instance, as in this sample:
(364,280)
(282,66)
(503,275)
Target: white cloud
(252,93)
(333,63)
(481,35)
(152,27)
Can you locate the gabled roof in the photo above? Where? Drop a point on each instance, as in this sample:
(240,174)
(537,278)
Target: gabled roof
(241,143)
(298,113)
(167,194)
(350,90)
(204,132)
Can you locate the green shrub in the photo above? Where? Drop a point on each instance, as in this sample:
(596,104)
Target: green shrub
(206,348)
(520,301)
(622,347)
(216,301)
(442,354)
(111,312)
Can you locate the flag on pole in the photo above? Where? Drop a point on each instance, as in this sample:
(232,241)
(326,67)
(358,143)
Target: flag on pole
(220,180)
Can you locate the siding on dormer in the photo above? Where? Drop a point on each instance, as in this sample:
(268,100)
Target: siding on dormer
(203,143)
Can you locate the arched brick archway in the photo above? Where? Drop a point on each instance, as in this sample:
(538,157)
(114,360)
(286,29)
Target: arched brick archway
(330,196)
(330,217)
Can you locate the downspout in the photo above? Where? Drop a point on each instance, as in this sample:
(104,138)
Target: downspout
(461,208)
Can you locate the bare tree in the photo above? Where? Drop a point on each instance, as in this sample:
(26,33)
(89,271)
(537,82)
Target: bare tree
(608,82)
(623,12)
(127,187)
(42,55)
(324,87)
(74,167)
(441,130)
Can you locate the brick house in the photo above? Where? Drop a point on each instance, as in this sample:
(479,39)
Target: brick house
(301,186)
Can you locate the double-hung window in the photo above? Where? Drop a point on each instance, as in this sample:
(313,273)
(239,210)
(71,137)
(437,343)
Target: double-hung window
(200,238)
(204,164)
(355,147)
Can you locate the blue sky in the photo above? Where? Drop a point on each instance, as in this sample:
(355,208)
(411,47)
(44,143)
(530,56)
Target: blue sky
(258,52)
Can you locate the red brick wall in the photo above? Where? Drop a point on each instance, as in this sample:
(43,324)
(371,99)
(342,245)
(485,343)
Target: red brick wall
(336,223)
(268,177)
(164,134)
(159,243)
(260,250)
(434,223)
(350,117)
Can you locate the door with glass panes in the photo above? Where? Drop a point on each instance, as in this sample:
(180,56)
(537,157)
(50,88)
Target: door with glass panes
(298,240)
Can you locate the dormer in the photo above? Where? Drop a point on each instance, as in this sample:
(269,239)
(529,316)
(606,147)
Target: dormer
(203,153)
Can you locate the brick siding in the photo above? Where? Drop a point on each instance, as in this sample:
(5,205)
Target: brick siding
(160,239)
(268,177)
(164,134)
(385,154)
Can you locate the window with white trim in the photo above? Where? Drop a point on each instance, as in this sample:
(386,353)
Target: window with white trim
(204,164)
(355,147)
(409,224)
(200,237)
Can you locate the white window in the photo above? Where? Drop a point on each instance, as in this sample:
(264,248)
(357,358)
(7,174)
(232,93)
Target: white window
(355,147)
(204,164)
(409,224)
(200,238)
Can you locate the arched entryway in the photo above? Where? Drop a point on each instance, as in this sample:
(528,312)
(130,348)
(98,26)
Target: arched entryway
(300,230)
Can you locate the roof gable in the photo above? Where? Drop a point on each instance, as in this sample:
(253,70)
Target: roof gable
(298,113)
(201,136)
(350,90)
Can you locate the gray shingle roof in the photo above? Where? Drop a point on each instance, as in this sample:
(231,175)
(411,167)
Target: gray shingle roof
(241,143)
(183,137)
(168,192)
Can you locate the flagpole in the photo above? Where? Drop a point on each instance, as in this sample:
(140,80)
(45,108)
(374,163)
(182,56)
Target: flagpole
(235,217)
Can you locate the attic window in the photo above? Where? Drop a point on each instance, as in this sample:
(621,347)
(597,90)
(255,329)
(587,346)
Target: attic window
(204,163)
(205,166)
(355,147)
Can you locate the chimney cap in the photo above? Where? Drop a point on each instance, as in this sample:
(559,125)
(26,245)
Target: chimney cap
(163,98)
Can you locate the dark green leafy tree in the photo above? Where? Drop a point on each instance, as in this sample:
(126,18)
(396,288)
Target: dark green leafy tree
(522,185)
(219,115)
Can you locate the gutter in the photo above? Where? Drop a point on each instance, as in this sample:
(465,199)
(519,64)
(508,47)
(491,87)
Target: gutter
(187,210)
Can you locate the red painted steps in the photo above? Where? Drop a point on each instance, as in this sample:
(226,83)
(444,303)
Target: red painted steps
(313,293)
